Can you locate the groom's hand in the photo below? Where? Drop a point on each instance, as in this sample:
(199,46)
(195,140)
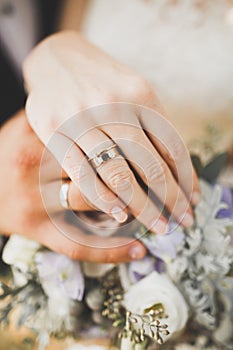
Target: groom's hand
(21,207)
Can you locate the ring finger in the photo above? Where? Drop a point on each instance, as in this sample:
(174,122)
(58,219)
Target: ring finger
(118,176)
(74,162)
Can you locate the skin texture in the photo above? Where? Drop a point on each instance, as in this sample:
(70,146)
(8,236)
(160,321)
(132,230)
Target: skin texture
(64,76)
(21,207)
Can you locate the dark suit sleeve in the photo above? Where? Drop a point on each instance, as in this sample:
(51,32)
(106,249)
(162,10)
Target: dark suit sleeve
(12,94)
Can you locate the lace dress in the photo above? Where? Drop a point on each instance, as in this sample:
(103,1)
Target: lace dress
(183,47)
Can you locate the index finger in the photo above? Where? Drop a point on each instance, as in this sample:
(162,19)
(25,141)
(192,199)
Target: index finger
(90,248)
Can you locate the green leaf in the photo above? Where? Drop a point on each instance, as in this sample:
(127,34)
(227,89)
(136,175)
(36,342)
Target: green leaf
(213,169)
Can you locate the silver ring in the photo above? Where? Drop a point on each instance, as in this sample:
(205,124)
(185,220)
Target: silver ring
(63,195)
(104,156)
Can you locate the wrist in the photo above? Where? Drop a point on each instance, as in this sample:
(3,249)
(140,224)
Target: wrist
(40,63)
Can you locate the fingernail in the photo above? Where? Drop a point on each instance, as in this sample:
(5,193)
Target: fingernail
(159,227)
(137,252)
(119,214)
(188,220)
(196,197)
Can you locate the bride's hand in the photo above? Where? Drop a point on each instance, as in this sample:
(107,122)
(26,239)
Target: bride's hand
(22,210)
(65,75)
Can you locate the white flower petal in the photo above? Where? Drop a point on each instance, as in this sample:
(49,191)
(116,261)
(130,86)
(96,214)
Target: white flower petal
(20,251)
(158,288)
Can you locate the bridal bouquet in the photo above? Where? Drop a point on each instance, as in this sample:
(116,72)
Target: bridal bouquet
(180,295)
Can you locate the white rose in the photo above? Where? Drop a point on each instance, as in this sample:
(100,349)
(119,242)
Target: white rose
(158,288)
(20,252)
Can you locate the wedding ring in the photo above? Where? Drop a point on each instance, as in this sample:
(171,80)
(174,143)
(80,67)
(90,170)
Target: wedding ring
(104,156)
(63,195)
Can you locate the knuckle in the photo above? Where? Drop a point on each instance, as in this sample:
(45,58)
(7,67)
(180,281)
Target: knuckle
(155,170)
(135,136)
(73,252)
(79,174)
(176,151)
(105,97)
(119,177)
(140,89)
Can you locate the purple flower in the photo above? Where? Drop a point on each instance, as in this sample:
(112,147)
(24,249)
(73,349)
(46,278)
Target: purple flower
(165,247)
(58,273)
(227,198)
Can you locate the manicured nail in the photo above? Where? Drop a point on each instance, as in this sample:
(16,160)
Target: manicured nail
(187,220)
(137,252)
(159,227)
(119,214)
(196,197)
